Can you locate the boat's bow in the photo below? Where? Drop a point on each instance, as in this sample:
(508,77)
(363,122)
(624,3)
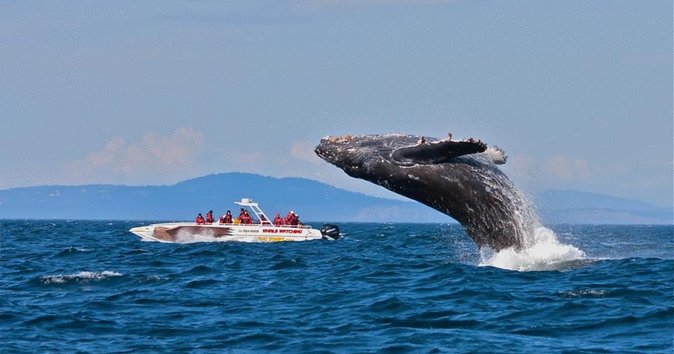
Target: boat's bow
(144,232)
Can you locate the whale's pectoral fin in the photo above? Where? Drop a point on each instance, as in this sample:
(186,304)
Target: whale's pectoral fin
(438,152)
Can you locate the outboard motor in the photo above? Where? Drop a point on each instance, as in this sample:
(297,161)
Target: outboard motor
(330,232)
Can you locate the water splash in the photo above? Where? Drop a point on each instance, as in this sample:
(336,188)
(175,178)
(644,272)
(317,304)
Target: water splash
(542,251)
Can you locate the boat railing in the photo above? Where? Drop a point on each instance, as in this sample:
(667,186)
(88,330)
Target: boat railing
(262,224)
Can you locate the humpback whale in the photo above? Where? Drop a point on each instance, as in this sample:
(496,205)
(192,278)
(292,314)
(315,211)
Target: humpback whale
(458,178)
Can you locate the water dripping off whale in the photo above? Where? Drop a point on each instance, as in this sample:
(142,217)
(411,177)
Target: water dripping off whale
(458,178)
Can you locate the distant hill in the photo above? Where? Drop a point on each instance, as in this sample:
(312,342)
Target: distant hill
(574,207)
(312,200)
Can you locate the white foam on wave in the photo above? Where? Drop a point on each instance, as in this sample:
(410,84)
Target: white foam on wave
(585,293)
(83,277)
(78,249)
(542,251)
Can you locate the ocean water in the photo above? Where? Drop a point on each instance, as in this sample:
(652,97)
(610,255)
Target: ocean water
(91,286)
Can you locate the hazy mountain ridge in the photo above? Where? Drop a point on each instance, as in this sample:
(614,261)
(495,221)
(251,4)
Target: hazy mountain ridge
(574,207)
(312,200)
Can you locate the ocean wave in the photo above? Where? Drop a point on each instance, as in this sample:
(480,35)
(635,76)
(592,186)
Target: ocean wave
(364,293)
(288,264)
(578,293)
(81,277)
(72,249)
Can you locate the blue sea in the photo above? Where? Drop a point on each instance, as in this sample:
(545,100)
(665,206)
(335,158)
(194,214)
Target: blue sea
(91,286)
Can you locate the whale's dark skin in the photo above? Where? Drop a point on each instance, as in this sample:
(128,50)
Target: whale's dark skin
(459,179)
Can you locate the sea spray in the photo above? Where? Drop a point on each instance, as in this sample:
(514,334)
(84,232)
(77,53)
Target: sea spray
(544,252)
(541,249)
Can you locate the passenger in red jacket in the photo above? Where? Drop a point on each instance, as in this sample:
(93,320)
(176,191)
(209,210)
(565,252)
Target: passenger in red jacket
(209,217)
(277,220)
(246,218)
(291,219)
(228,217)
(288,218)
(200,220)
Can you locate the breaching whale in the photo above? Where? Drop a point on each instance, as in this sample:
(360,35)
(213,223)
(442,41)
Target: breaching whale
(458,178)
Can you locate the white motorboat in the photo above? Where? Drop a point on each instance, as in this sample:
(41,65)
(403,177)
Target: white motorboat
(262,231)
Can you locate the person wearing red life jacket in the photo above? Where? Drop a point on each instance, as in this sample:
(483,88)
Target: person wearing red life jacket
(292,220)
(277,220)
(288,218)
(228,217)
(209,217)
(221,220)
(200,220)
(247,219)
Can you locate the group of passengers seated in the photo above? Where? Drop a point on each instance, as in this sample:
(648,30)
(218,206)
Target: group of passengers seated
(209,218)
(290,220)
(244,218)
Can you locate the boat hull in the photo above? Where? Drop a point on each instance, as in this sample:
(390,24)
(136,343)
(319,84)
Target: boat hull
(191,232)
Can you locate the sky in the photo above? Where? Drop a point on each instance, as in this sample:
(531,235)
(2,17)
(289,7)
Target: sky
(578,93)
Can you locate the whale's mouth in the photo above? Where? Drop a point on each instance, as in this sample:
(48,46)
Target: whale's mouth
(344,152)
(329,150)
